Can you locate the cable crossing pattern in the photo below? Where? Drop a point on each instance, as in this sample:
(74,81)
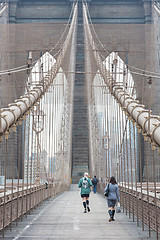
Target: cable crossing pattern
(36,129)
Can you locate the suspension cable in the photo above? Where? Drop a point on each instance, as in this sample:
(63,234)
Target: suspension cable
(25,67)
(129,66)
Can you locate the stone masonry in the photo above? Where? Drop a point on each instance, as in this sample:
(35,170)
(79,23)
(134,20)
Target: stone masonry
(80,121)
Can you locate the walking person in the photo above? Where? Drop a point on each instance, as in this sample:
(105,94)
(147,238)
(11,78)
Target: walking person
(85,184)
(113,196)
(94,182)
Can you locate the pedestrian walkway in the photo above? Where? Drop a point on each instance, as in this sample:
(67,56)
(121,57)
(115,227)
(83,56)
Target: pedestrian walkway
(62,217)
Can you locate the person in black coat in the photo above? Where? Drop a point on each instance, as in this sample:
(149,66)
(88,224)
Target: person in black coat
(94,182)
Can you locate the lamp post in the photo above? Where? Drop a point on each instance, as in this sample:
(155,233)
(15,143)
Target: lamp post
(38,127)
(105,142)
(29,64)
(149,104)
(115,61)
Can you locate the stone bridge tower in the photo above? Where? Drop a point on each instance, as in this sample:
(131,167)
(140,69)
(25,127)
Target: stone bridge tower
(111,15)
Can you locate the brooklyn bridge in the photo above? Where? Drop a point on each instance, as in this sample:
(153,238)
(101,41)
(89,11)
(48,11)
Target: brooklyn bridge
(79,92)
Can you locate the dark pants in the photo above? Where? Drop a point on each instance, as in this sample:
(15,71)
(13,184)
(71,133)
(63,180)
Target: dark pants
(95,188)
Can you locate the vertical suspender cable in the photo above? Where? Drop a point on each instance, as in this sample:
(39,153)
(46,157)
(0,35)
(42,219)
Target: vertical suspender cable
(49,142)
(23,165)
(135,157)
(54,142)
(44,144)
(122,169)
(27,167)
(40,146)
(35,172)
(124,165)
(141,178)
(34,164)
(119,146)
(135,165)
(114,138)
(147,176)
(117,142)
(109,136)
(5,182)
(19,161)
(37,150)
(123,160)
(131,163)
(127,156)
(155,195)
(31,170)
(52,152)
(106,130)
(13,174)
(51,149)
(47,127)
(57,159)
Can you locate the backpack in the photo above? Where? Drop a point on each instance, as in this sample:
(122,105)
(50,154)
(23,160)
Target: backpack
(94,181)
(85,183)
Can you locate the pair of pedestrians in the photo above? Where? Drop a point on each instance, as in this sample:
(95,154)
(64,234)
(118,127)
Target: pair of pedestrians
(113,194)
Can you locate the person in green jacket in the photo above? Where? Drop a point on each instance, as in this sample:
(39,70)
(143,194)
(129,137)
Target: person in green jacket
(85,184)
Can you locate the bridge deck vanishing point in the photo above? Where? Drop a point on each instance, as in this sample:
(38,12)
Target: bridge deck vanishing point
(62,217)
